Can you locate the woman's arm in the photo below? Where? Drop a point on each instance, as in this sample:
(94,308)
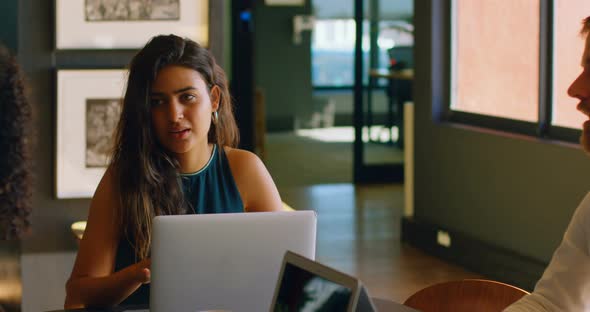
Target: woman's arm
(256,187)
(93,282)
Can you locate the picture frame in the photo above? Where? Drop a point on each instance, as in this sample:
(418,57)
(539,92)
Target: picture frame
(127,24)
(88,109)
(284,2)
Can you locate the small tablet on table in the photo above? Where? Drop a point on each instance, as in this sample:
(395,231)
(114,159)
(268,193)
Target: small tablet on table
(306,285)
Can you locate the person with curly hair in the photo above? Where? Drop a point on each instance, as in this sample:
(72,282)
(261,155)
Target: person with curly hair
(15,147)
(175,153)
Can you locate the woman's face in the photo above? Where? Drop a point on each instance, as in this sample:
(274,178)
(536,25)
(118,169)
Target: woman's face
(181,108)
(580,89)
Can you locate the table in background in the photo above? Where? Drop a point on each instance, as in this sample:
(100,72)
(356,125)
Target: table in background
(396,100)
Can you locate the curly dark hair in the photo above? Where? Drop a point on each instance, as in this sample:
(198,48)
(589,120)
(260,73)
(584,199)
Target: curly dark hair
(15,150)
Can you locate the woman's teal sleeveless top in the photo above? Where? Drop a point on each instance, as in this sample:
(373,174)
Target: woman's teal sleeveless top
(209,190)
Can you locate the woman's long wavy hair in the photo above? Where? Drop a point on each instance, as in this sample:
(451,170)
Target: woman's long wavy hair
(146,174)
(15,144)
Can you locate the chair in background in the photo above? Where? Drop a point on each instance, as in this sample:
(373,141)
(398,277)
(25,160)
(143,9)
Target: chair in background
(399,90)
(466,295)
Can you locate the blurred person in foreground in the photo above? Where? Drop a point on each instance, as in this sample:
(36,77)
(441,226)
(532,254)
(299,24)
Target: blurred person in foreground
(565,284)
(15,153)
(15,176)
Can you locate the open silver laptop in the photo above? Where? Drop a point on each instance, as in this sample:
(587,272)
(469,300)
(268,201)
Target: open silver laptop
(224,261)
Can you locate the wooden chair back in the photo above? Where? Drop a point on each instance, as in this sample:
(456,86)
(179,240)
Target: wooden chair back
(466,295)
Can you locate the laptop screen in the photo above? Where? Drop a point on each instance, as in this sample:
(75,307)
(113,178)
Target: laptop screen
(302,291)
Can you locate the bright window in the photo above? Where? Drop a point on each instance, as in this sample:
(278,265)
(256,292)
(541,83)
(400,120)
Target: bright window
(496,58)
(332,49)
(568,48)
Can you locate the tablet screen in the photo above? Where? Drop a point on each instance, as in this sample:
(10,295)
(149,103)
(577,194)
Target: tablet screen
(302,291)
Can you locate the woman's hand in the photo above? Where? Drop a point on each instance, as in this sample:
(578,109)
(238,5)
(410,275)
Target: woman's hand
(142,271)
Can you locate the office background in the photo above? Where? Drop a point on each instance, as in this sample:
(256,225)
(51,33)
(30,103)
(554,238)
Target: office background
(510,192)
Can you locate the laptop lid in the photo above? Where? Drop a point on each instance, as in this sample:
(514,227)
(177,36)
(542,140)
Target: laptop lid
(224,261)
(306,285)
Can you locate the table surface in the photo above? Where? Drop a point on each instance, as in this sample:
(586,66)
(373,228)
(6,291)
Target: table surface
(380,305)
(404,74)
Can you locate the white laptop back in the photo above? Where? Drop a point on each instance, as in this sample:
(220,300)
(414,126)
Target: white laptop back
(224,261)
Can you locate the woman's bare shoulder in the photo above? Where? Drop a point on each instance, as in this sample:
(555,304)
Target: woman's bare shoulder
(254,183)
(240,159)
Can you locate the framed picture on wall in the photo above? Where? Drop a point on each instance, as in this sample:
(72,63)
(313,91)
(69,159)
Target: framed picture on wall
(88,108)
(284,2)
(127,24)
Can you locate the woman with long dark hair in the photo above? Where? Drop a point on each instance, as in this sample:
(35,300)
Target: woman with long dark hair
(174,153)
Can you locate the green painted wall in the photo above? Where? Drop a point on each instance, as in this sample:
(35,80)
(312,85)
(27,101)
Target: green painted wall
(282,69)
(510,191)
(9,29)
(227,22)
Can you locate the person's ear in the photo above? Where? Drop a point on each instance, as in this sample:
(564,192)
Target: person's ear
(215,98)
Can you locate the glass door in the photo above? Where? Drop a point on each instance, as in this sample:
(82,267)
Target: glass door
(383,78)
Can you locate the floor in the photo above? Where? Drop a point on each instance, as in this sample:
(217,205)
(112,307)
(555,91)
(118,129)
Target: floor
(320,156)
(359,234)
(10,279)
(358,226)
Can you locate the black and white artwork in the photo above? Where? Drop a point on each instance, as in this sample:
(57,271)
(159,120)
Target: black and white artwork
(127,24)
(132,10)
(88,109)
(102,116)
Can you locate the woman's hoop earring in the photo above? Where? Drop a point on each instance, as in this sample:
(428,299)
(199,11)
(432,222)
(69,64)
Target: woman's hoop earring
(215,117)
